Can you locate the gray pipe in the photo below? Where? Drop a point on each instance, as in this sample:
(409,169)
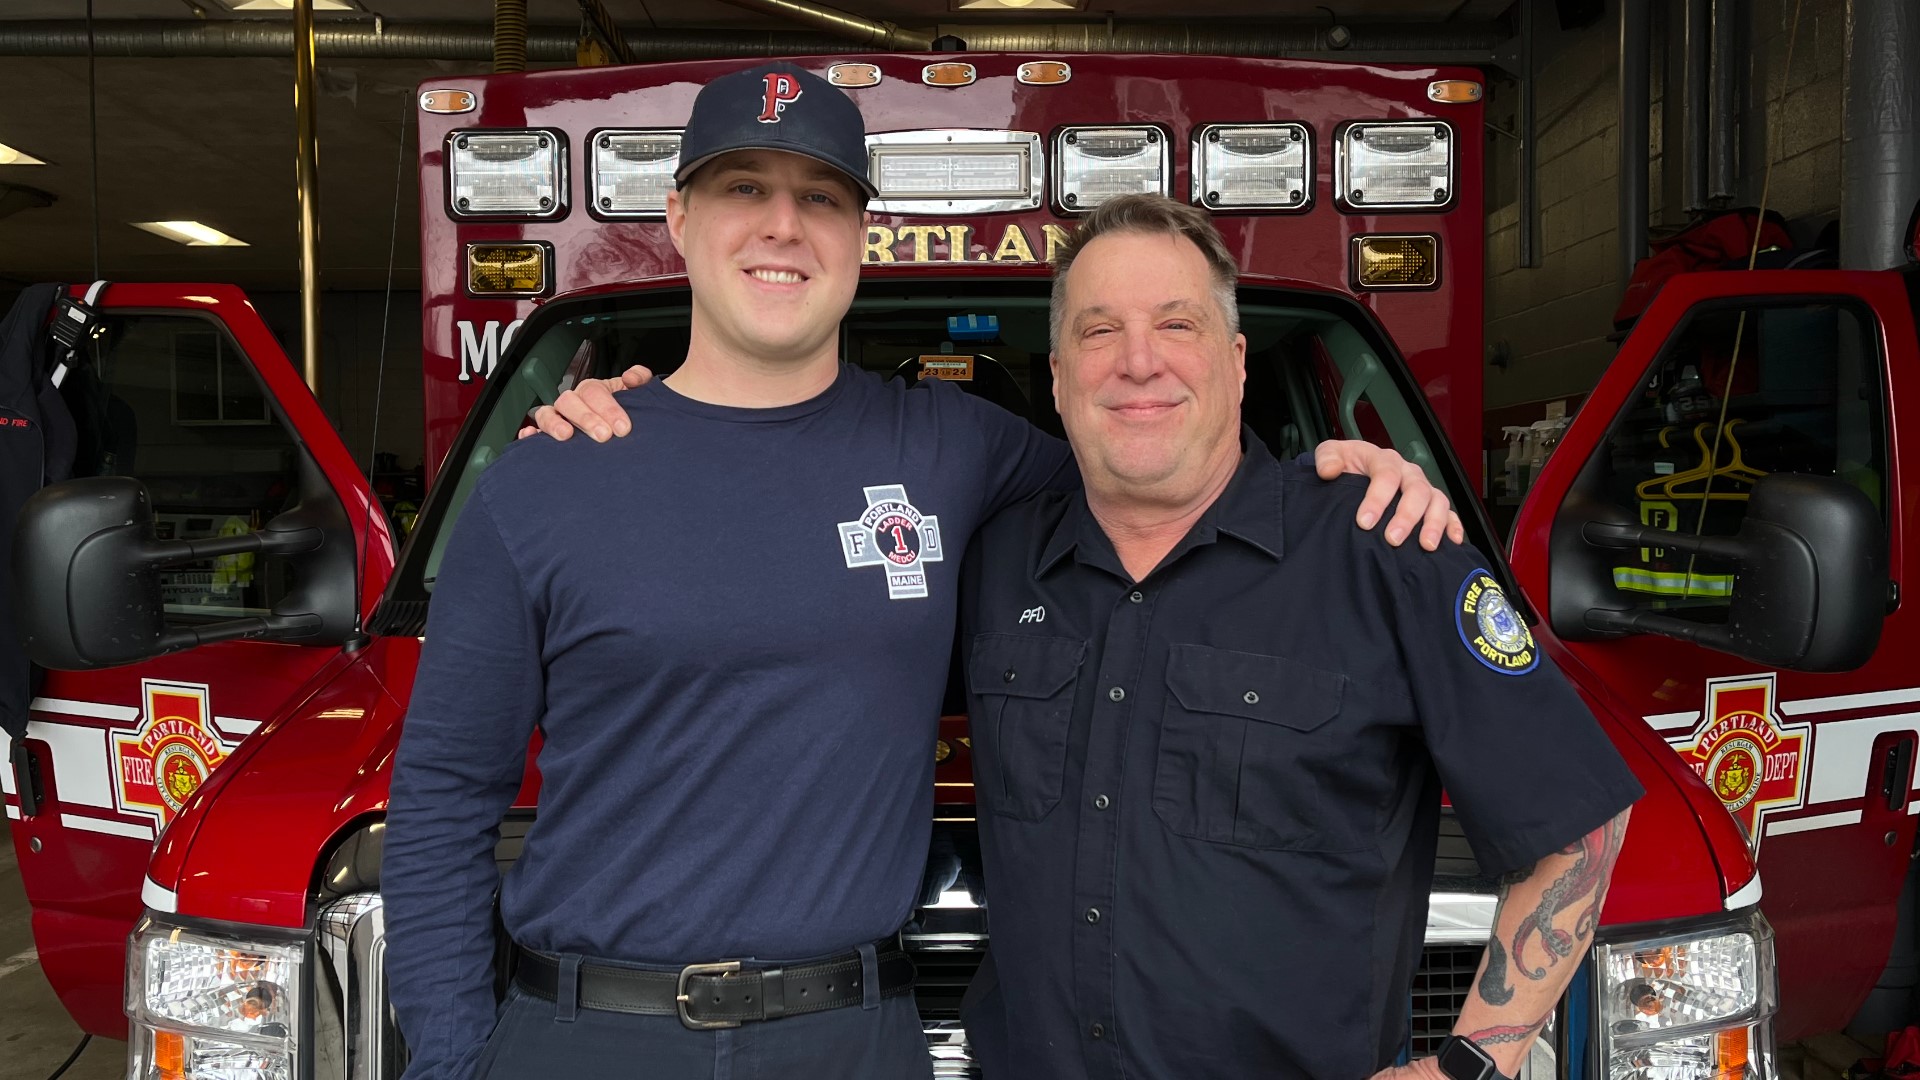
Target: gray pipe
(1880,133)
(1264,39)
(1698,21)
(355,40)
(1722,104)
(1636,47)
(875,34)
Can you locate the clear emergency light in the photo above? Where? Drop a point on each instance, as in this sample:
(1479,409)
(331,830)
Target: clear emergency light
(1394,166)
(954,171)
(1253,166)
(630,172)
(1094,164)
(506,173)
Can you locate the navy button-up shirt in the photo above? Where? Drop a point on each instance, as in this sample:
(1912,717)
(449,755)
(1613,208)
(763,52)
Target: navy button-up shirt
(1209,799)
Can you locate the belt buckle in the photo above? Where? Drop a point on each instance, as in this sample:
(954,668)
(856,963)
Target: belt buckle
(681,998)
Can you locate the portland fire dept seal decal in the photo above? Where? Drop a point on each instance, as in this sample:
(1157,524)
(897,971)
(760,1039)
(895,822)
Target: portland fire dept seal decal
(1754,763)
(1492,631)
(895,535)
(166,759)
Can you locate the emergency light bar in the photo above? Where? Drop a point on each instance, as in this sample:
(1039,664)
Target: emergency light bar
(506,174)
(631,171)
(1253,166)
(956,171)
(1394,166)
(1094,164)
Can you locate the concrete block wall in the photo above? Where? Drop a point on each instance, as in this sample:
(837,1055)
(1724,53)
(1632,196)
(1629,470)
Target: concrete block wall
(1547,325)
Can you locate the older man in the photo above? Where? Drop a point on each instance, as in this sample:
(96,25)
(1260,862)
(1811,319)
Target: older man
(1210,779)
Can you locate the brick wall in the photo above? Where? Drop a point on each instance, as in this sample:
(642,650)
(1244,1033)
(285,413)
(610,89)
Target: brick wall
(1549,324)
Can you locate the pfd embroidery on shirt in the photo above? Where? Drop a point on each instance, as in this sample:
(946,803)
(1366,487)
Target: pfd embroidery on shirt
(893,534)
(1492,631)
(1034,614)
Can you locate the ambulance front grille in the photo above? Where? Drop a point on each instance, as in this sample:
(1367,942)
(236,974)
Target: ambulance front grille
(1440,987)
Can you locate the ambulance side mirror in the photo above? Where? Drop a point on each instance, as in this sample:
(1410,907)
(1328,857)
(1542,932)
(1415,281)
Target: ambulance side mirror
(87,565)
(1809,592)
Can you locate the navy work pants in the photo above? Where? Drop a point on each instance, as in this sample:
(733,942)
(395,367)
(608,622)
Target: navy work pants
(536,1040)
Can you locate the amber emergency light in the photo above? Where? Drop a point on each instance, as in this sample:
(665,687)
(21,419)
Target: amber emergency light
(1396,262)
(507,269)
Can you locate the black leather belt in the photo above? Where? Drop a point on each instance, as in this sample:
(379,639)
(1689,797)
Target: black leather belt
(720,995)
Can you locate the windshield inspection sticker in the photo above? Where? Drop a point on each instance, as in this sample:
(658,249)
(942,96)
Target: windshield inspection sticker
(895,535)
(1491,630)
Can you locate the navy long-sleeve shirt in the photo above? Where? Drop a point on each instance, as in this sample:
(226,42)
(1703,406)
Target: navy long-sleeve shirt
(732,628)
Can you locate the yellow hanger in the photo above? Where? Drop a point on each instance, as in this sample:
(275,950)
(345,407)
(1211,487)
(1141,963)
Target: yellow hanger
(1736,470)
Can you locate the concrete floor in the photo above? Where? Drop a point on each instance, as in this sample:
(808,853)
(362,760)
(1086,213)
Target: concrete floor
(35,1032)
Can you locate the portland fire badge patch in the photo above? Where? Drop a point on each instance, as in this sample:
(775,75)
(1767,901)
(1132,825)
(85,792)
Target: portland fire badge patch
(896,536)
(1491,629)
(170,754)
(1755,763)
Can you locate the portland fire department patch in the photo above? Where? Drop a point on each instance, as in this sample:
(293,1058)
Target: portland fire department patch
(166,759)
(1754,763)
(895,535)
(1492,631)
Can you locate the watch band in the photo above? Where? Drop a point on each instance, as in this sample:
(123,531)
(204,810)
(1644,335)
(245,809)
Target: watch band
(1462,1059)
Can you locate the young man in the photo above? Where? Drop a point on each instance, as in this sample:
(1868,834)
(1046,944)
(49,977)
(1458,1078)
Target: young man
(1216,767)
(737,777)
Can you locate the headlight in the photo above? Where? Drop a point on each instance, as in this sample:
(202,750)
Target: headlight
(1092,165)
(1399,166)
(506,173)
(1689,1006)
(204,1006)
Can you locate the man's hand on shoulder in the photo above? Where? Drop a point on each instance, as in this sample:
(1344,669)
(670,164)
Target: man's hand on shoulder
(590,408)
(1422,505)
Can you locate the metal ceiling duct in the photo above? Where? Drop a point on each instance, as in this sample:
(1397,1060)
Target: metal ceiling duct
(1239,39)
(875,34)
(357,40)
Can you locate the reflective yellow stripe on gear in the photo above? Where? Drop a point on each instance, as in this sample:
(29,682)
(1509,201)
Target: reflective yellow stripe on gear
(1671,583)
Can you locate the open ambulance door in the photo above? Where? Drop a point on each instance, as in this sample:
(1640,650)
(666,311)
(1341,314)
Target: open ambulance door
(1749,418)
(182,389)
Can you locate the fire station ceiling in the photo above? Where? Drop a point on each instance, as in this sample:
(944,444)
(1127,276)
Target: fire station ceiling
(212,139)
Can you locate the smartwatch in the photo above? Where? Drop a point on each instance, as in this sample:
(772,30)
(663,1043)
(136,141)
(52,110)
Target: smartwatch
(1462,1059)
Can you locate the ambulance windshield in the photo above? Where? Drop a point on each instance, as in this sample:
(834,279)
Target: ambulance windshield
(1313,371)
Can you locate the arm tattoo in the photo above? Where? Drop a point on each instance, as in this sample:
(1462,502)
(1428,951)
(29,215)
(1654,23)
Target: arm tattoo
(1495,990)
(1582,883)
(1508,1033)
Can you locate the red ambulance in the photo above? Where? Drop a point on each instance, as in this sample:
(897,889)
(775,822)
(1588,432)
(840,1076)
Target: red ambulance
(1712,554)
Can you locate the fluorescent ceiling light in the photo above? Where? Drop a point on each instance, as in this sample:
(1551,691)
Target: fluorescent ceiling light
(287,5)
(1016,5)
(190,233)
(10,156)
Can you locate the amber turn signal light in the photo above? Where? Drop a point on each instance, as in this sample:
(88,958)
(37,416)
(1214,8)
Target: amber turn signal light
(1396,262)
(507,269)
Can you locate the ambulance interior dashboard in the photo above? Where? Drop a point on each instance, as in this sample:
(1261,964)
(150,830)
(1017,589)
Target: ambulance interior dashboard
(1316,369)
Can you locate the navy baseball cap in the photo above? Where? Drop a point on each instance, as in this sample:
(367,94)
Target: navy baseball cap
(776,107)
